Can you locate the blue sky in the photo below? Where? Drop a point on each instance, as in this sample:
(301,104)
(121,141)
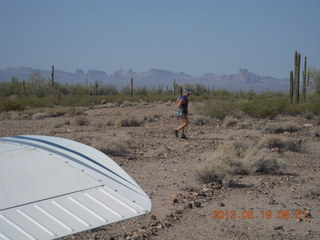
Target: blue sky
(196,37)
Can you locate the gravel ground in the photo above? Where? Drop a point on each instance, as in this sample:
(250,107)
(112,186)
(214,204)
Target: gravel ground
(257,206)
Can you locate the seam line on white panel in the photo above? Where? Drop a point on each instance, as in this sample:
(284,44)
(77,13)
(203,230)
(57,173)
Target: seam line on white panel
(52,234)
(104,205)
(87,209)
(54,218)
(20,229)
(71,214)
(119,201)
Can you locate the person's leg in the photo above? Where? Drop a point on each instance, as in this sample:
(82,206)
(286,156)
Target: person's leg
(184,123)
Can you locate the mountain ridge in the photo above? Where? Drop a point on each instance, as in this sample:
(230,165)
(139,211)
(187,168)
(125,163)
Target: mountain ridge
(243,80)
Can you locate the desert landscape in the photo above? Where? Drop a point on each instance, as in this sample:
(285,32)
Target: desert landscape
(236,178)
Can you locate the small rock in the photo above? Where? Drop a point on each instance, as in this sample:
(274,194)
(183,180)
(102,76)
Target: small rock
(154,223)
(153,217)
(278,228)
(308,125)
(197,204)
(190,205)
(221,204)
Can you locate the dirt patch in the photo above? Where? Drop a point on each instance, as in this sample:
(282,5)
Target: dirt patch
(283,205)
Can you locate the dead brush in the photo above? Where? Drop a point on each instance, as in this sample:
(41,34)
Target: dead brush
(282,143)
(272,128)
(200,120)
(127,121)
(82,121)
(238,158)
(115,146)
(230,121)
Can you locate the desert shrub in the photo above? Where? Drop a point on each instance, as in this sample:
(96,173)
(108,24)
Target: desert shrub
(127,121)
(57,111)
(82,121)
(316,132)
(116,146)
(75,111)
(230,121)
(40,115)
(281,127)
(238,158)
(218,108)
(200,120)
(9,105)
(210,174)
(61,124)
(265,107)
(262,161)
(315,191)
(282,143)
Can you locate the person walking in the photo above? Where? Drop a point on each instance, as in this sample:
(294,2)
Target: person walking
(182,113)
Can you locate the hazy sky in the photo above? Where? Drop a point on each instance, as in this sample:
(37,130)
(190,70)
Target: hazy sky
(193,36)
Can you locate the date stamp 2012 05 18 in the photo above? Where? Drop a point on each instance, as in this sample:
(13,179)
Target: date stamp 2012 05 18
(263,214)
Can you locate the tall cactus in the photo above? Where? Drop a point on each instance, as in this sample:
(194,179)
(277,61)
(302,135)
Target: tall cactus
(131,88)
(174,87)
(297,77)
(304,81)
(291,86)
(52,76)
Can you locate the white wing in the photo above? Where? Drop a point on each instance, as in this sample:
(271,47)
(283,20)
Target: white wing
(52,187)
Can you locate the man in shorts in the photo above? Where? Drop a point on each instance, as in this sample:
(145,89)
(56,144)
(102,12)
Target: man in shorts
(182,113)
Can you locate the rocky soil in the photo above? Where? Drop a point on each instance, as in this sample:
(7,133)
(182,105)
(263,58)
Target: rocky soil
(165,167)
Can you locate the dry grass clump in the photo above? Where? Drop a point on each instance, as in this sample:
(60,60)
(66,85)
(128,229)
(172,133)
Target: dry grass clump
(238,158)
(316,191)
(282,143)
(82,121)
(40,115)
(61,124)
(200,120)
(280,128)
(230,121)
(71,112)
(316,132)
(127,121)
(115,146)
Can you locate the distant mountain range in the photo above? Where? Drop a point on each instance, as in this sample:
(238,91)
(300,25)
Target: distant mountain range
(243,80)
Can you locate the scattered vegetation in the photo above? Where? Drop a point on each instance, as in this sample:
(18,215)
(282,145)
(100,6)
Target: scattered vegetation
(239,158)
(200,120)
(127,121)
(115,146)
(82,121)
(281,127)
(281,143)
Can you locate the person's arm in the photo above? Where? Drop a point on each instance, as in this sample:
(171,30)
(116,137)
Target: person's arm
(181,101)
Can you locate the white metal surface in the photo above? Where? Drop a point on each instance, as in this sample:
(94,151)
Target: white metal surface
(52,187)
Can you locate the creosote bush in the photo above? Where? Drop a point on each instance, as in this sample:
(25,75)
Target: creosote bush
(82,121)
(282,143)
(127,121)
(115,146)
(239,158)
(280,128)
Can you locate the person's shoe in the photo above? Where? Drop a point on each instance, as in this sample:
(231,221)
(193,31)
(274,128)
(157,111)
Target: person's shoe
(183,136)
(175,132)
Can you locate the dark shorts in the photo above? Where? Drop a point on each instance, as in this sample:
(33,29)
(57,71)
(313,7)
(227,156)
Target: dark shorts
(184,112)
(180,113)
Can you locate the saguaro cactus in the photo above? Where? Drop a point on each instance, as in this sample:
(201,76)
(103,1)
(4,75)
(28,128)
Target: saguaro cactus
(297,77)
(131,88)
(52,76)
(304,81)
(291,86)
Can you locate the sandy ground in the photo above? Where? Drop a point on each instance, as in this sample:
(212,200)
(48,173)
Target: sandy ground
(165,167)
